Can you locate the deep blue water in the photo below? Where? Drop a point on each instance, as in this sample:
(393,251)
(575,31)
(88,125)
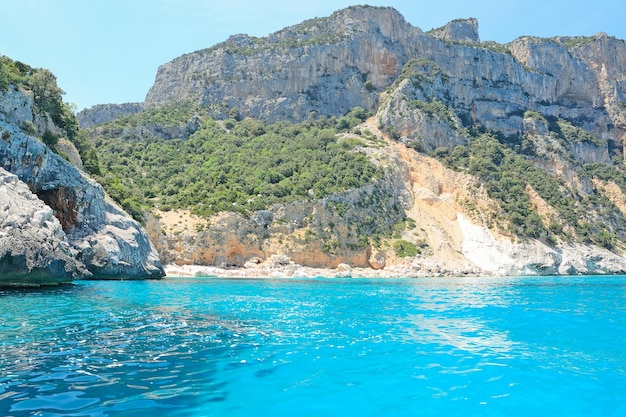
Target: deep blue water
(551,346)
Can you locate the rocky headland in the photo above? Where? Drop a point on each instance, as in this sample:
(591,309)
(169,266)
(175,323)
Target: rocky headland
(57,223)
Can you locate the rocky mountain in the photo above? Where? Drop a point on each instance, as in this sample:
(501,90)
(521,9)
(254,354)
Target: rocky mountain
(330,65)
(496,158)
(104,113)
(57,223)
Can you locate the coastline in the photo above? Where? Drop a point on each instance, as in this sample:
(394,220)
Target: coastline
(293,270)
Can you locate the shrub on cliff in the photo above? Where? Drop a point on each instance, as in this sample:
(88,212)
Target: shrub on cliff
(48,98)
(508,176)
(405,249)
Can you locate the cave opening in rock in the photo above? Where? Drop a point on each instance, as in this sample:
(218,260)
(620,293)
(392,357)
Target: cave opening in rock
(63,202)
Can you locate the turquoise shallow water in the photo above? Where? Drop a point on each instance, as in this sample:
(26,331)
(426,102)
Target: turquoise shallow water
(551,346)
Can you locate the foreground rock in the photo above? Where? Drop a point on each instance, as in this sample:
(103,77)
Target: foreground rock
(33,246)
(101,236)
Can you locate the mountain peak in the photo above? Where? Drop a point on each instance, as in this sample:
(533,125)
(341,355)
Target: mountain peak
(345,23)
(458,30)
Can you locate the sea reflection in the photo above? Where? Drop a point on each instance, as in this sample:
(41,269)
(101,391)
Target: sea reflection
(448,314)
(468,335)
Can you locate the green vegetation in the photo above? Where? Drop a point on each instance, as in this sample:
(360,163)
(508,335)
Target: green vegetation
(574,134)
(561,130)
(247,167)
(405,249)
(615,173)
(168,115)
(310,32)
(50,139)
(573,41)
(406,224)
(88,153)
(47,95)
(420,71)
(435,109)
(495,47)
(48,98)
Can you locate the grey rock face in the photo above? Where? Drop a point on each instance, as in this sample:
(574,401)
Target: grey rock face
(328,66)
(104,113)
(321,67)
(101,235)
(33,246)
(459,30)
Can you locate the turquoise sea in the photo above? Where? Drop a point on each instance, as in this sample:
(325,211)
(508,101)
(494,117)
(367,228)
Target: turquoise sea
(541,346)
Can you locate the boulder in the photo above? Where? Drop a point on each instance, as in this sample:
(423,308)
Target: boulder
(377,260)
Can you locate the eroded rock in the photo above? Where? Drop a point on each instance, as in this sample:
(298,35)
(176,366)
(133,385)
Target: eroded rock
(101,236)
(33,247)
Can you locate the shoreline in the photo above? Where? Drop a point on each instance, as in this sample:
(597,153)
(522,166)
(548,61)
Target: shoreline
(298,271)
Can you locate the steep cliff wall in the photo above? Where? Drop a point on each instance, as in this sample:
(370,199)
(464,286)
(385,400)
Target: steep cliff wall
(328,66)
(322,66)
(104,113)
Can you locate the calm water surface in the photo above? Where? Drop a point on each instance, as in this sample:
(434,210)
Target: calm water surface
(316,347)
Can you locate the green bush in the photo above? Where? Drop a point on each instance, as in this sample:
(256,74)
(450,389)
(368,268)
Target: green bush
(48,97)
(50,139)
(405,249)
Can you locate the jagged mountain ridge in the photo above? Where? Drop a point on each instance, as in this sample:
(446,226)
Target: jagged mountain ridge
(328,66)
(318,66)
(429,91)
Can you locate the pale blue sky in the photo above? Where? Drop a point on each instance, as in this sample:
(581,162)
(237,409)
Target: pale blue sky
(108,51)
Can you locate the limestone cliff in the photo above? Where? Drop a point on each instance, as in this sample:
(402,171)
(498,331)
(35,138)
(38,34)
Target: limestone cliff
(460,30)
(327,66)
(88,228)
(322,66)
(555,106)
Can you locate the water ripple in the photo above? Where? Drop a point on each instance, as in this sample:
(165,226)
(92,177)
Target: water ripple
(350,347)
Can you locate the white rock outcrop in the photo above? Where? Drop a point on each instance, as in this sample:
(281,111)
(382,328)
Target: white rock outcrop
(101,235)
(505,257)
